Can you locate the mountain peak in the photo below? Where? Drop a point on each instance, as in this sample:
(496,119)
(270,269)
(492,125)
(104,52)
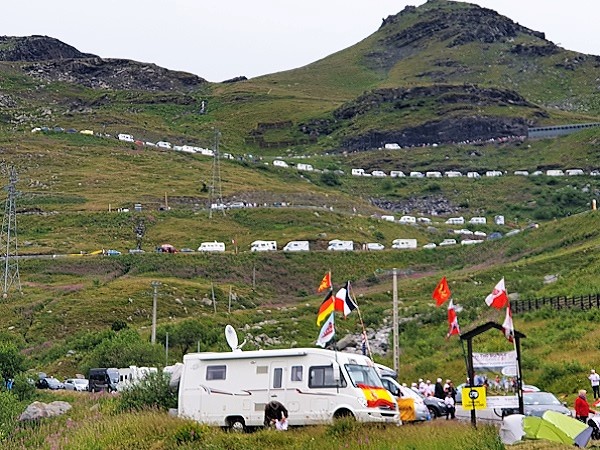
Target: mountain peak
(37,48)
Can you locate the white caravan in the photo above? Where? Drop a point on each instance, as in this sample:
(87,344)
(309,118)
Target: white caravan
(338,245)
(297,246)
(404,243)
(231,389)
(263,246)
(212,247)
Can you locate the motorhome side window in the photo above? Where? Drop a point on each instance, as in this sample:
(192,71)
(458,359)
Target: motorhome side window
(296,373)
(277,378)
(216,372)
(322,377)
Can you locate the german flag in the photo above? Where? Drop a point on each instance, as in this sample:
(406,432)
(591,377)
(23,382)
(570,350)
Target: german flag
(326,308)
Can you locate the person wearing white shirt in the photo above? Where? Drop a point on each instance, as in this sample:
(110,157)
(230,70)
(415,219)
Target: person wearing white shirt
(595,380)
(450,406)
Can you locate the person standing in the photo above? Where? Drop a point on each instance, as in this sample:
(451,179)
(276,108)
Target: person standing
(438,390)
(595,380)
(582,407)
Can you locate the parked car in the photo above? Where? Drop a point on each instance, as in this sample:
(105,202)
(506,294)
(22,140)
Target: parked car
(112,252)
(375,246)
(436,406)
(49,383)
(187,250)
(76,384)
(537,403)
(420,412)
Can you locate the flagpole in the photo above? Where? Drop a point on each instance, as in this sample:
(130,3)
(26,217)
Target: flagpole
(362,324)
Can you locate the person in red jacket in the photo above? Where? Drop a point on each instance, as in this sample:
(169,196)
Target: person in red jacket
(582,407)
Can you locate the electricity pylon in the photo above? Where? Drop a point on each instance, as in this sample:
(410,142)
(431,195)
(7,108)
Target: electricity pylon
(8,237)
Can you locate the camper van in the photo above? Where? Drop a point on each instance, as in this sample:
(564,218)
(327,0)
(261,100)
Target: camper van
(103,379)
(128,376)
(404,243)
(338,245)
(212,247)
(263,246)
(231,389)
(297,246)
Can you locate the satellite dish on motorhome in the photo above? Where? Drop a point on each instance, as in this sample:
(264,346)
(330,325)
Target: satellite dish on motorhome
(231,337)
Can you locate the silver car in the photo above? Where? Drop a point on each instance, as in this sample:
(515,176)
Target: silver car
(76,384)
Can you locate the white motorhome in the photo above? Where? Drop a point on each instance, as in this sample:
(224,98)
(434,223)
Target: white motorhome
(455,221)
(493,173)
(408,219)
(306,167)
(388,218)
(130,375)
(280,163)
(397,174)
(164,144)
(125,137)
(453,174)
(416,174)
(358,172)
(297,246)
(433,174)
(473,175)
(574,172)
(339,245)
(378,174)
(231,389)
(392,146)
(212,247)
(478,220)
(404,243)
(263,246)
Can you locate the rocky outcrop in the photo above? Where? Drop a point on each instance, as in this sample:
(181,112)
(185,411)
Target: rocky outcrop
(463,129)
(441,21)
(121,74)
(433,205)
(37,48)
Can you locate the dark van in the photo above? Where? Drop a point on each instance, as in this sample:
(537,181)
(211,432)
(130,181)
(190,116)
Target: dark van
(103,379)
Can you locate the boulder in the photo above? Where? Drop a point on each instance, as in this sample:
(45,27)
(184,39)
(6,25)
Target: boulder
(39,410)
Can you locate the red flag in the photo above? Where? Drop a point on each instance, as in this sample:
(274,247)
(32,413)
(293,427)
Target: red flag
(441,293)
(498,298)
(509,328)
(453,327)
(325,282)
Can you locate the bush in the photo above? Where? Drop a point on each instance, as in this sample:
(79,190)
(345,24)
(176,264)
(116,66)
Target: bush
(151,392)
(23,388)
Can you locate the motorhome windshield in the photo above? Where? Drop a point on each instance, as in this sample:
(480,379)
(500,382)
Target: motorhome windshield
(363,375)
(113,375)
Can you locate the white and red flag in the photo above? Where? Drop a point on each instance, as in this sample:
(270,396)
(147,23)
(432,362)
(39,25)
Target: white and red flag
(509,328)
(498,298)
(327,331)
(453,327)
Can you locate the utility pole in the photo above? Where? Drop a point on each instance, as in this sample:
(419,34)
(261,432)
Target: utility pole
(395,318)
(167,350)
(216,193)
(8,236)
(155,285)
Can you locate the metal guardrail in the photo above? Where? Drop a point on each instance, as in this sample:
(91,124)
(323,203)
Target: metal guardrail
(588,301)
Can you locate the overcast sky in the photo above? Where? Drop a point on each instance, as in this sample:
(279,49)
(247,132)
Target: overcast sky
(222,39)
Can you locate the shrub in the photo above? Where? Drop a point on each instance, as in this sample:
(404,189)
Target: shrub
(151,392)
(23,388)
